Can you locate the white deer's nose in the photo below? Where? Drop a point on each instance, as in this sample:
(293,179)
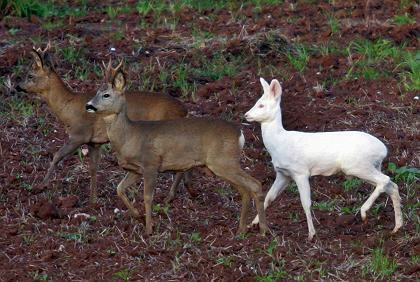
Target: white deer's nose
(248,116)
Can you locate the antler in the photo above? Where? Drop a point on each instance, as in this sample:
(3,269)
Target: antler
(109,71)
(119,65)
(40,51)
(47,47)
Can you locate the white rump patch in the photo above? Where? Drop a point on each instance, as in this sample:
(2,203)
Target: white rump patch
(241,140)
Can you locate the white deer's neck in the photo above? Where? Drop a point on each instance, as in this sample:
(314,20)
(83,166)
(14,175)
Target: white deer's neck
(271,131)
(274,125)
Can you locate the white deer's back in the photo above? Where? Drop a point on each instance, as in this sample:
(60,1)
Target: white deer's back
(321,153)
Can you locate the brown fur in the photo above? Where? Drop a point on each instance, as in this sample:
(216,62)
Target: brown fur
(149,147)
(87,128)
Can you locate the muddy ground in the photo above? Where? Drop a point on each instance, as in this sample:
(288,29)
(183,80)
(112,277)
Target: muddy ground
(211,59)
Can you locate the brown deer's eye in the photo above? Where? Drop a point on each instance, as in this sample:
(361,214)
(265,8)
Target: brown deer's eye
(31,76)
(106,96)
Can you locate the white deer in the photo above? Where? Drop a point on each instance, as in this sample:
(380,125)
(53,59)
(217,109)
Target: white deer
(299,155)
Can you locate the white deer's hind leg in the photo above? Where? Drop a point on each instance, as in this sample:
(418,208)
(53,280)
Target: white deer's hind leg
(392,190)
(305,197)
(278,186)
(376,178)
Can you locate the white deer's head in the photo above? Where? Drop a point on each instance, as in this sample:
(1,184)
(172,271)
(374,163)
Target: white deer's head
(266,108)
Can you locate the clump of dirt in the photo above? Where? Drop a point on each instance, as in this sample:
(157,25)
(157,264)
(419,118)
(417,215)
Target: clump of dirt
(44,209)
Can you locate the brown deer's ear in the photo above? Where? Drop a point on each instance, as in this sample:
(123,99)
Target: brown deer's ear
(48,61)
(38,63)
(119,81)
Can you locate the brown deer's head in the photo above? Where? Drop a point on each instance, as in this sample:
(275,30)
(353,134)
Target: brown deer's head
(38,75)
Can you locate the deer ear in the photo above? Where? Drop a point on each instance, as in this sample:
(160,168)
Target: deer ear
(119,81)
(265,85)
(48,60)
(275,88)
(37,59)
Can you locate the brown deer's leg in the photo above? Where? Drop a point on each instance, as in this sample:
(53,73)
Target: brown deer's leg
(249,186)
(172,191)
(129,179)
(188,184)
(64,151)
(94,154)
(150,176)
(244,210)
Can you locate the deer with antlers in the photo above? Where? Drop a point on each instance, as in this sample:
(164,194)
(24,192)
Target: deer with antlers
(87,128)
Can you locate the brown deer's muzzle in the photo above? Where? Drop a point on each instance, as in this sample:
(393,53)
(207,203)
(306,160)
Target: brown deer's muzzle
(90,108)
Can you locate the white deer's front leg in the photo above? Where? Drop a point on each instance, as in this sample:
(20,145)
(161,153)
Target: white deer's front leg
(278,186)
(305,197)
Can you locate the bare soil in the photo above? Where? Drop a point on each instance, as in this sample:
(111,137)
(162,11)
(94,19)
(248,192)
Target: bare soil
(57,235)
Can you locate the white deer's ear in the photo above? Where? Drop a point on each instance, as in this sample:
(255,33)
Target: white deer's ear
(275,88)
(265,85)
(119,81)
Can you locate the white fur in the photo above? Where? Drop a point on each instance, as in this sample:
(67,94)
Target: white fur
(241,140)
(299,155)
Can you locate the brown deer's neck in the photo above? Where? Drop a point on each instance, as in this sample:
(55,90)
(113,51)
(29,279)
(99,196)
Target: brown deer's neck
(58,95)
(118,128)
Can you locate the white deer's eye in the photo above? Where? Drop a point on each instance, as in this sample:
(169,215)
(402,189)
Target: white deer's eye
(260,106)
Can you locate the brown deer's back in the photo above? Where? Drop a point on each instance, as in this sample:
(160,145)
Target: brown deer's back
(153,106)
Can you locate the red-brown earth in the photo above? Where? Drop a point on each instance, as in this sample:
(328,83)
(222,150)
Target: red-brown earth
(56,235)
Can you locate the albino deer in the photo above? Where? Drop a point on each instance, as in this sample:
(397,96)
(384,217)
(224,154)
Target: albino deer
(149,147)
(299,155)
(86,128)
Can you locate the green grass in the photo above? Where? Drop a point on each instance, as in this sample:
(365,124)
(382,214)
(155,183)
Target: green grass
(373,52)
(181,80)
(272,276)
(70,54)
(113,12)
(81,72)
(352,183)
(72,236)
(23,108)
(160,209)
(38,276)
(380,265)
(157,7)
(410,64)
(276,273)
(298,58)
(27,8)
(333,23)
(375,55)
(226,261)
(195,237)
(52,25)
(415,259)
(403,19)
(217,67)
(123,274)
(350,210)
(403,174)
(324,206)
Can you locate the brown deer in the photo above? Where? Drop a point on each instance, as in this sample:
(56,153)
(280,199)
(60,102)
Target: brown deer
(149,147)
(87,128)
